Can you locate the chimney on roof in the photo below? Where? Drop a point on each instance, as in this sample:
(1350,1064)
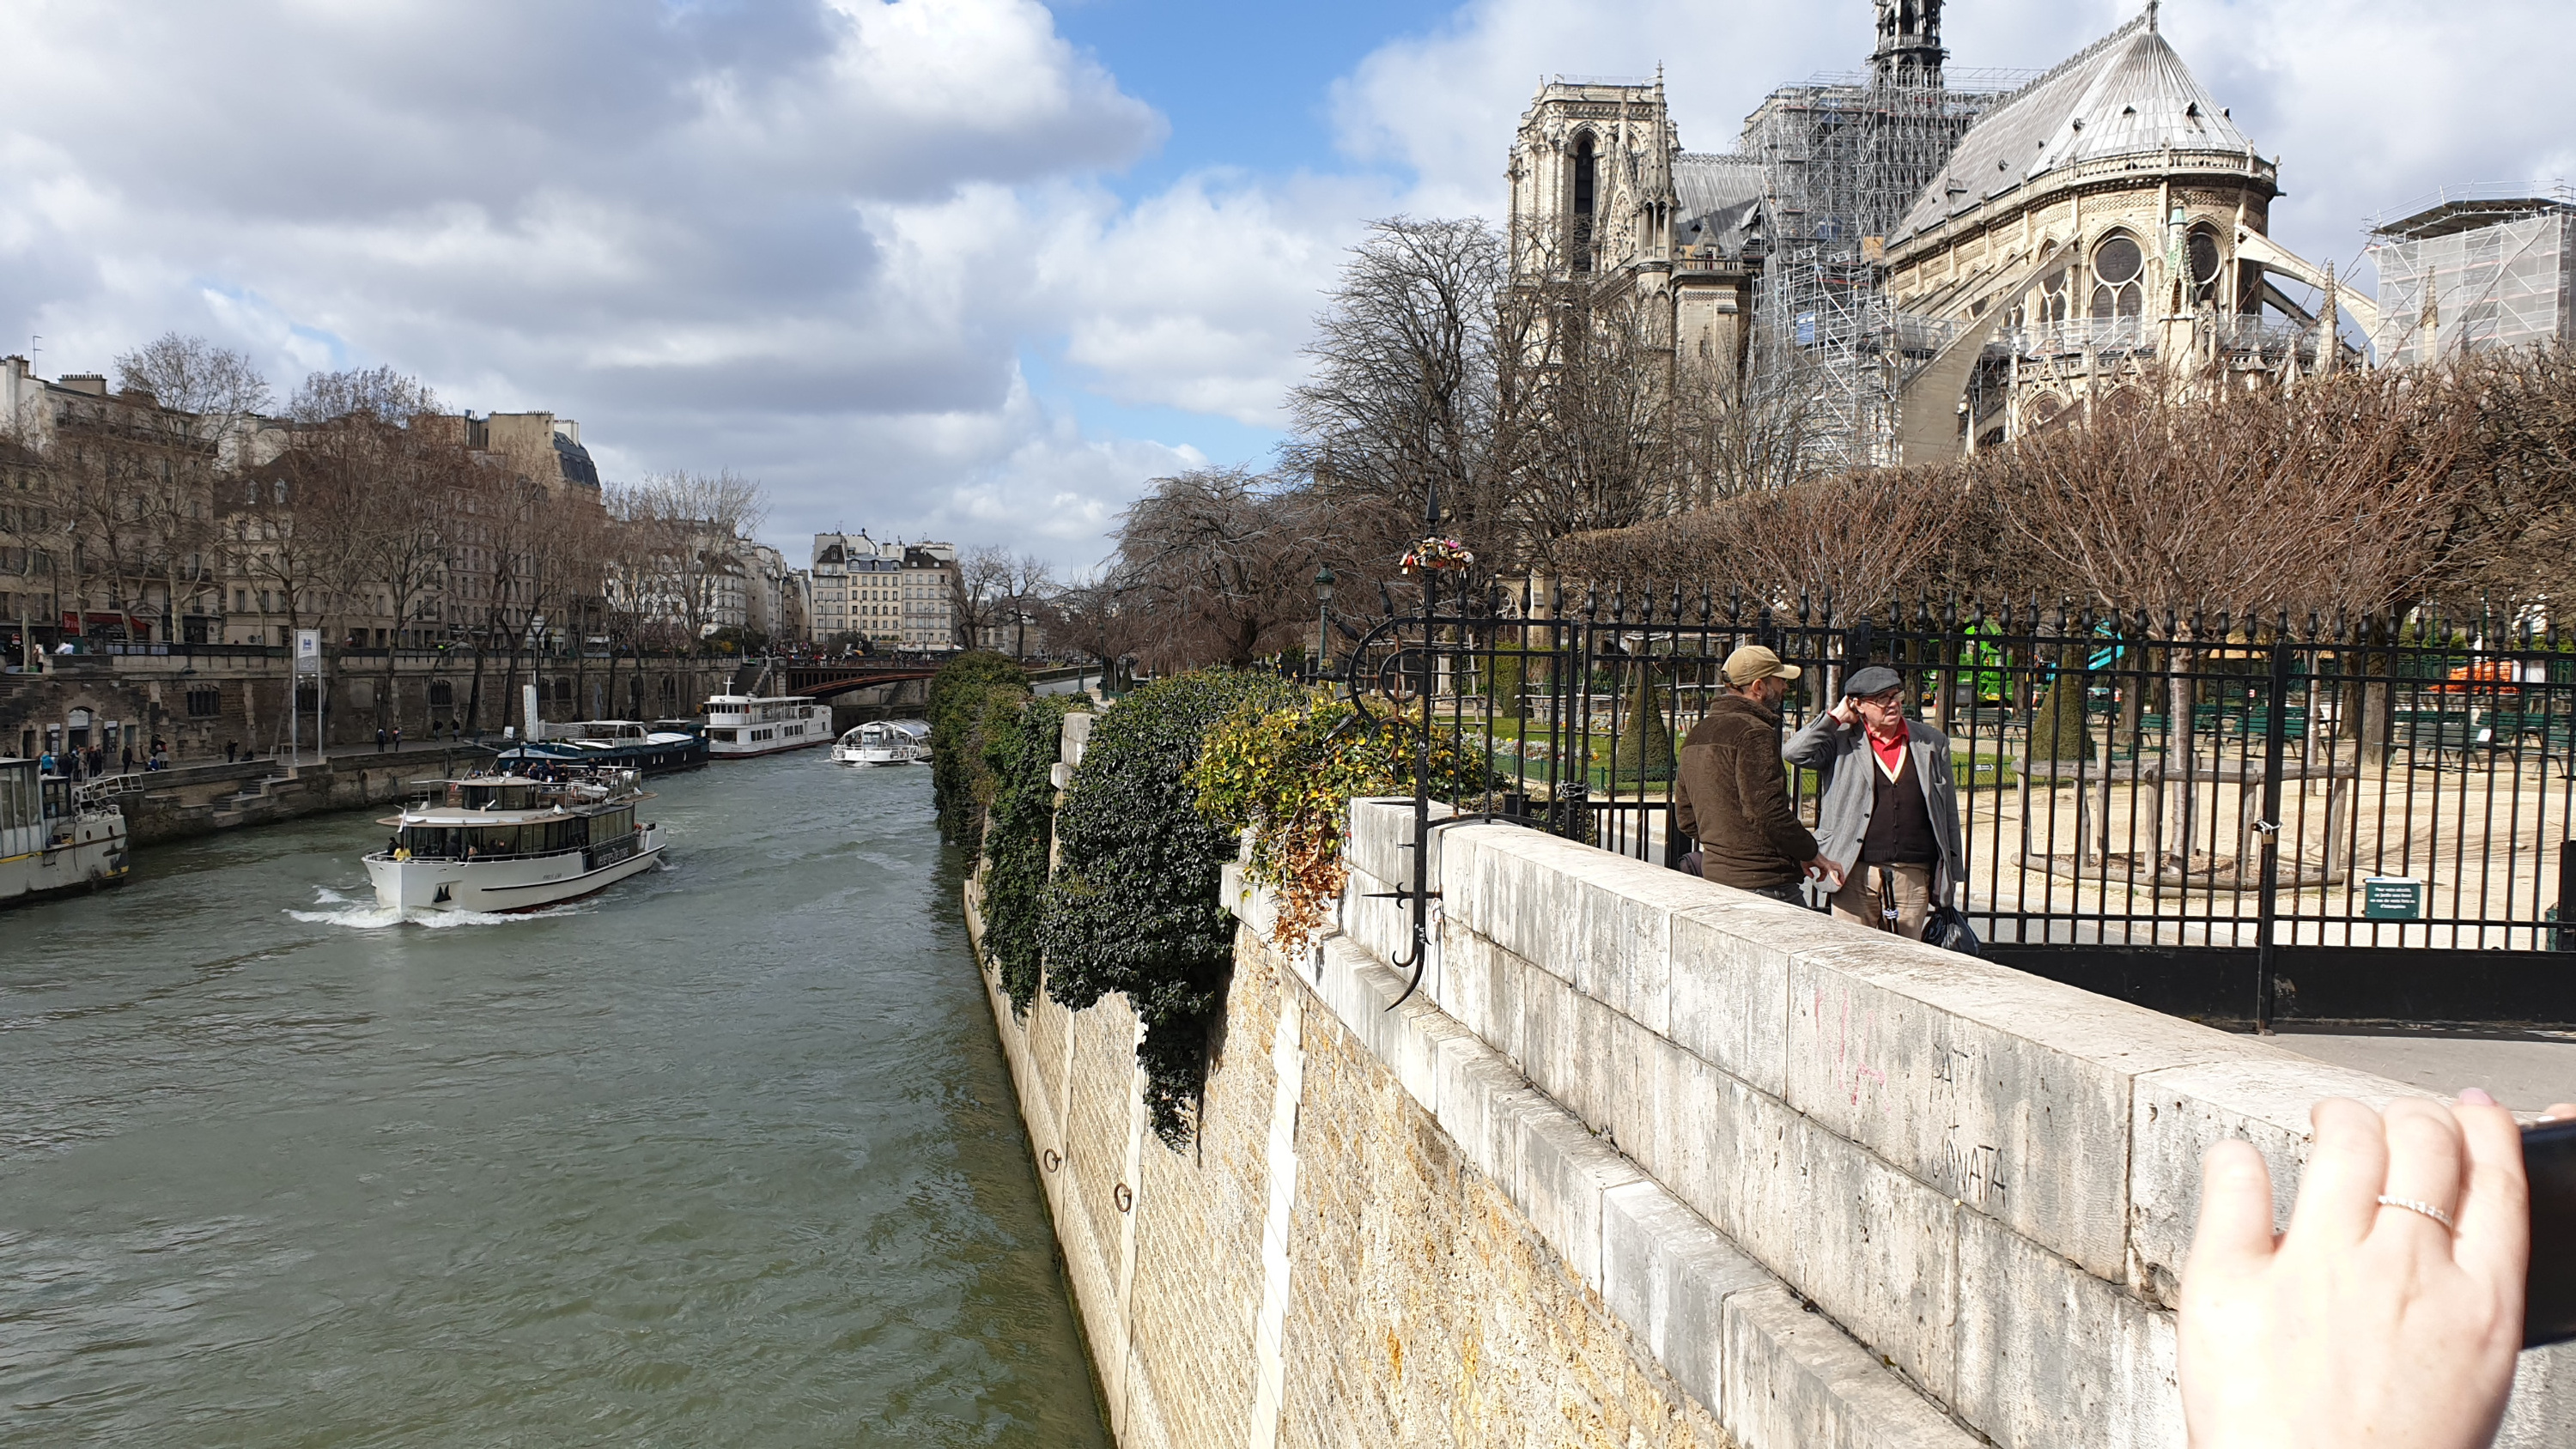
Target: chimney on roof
(89,382)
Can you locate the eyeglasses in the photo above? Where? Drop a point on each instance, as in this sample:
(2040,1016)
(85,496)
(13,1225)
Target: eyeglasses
(1889,699)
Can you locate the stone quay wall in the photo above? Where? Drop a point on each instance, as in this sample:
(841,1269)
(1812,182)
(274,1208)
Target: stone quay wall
(167,805)
(1648,1162)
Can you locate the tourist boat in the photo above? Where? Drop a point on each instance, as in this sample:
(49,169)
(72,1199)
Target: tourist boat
(56,836)
(877,744)
(515,842)
(740,726)
(655,749)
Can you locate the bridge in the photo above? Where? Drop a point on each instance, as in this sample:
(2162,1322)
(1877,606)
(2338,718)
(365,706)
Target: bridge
(831,678)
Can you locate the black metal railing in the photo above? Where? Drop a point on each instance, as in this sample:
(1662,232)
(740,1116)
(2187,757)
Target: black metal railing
(2203,780)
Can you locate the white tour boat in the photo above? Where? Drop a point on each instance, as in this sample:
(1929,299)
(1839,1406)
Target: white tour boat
(514,842)
(877,744)
(56,836)
(740,726)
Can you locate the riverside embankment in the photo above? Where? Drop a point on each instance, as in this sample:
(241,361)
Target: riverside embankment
(723,1156)
(1644,1162)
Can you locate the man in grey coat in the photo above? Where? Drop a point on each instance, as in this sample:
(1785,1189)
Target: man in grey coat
(1890,818)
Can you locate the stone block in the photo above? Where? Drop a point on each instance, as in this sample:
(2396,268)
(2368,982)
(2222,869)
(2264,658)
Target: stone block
(1564,1170)
(2544,1399)
(1791,1378)
(1421,1028)
(1730,990)
(1513,887)
(1475,1086)
(1077,733)
(2258,1093)
(1998,1088)
(2052,1357)
(1547,1031)
(1381,838)
(1374,919)
(1667,1274)
(1876,1248)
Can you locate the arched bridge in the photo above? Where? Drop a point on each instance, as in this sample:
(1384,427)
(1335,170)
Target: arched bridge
(827,679)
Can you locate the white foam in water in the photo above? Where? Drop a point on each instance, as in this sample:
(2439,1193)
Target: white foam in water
(336,909)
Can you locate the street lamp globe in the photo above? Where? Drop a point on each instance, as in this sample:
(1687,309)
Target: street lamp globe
(1324,584)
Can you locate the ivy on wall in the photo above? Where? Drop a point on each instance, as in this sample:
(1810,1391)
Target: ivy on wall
(1289,772)
(1021,753)
(1133,906)
(967,695)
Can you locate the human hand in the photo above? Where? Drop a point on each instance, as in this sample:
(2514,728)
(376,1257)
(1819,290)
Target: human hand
(1826,871)
(1846,712)
(2365,1323)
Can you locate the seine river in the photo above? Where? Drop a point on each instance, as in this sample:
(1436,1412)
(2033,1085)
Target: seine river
(725,1156)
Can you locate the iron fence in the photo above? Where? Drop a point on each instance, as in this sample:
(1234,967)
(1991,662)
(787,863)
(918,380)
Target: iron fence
(2202,785)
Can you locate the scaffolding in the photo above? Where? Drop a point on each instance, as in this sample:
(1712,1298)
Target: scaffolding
(1843,157)
(2470,275)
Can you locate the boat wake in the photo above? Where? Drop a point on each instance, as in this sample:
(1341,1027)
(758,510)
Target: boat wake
(334,909)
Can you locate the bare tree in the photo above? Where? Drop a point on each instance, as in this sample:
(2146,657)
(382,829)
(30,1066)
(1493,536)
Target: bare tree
(1216,565)
(1092,617)
(979,591)
(1403,401)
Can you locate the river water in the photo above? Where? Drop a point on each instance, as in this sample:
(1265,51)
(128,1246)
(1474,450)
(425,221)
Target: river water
(724,1156)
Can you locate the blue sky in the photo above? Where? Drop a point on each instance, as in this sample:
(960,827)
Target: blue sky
(973,269)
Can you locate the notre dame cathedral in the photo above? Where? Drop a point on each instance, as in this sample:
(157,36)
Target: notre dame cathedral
(1934,262)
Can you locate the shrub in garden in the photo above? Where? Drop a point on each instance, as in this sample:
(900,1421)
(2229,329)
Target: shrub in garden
(968,692)
(1645,738)
(1289,772)
(1133,905)
(1018,830)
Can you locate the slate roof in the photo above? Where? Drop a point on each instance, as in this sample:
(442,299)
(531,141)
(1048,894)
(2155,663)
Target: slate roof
(1718,201)
(2126,94)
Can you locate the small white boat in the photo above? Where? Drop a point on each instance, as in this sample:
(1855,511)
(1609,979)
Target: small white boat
(55,836)
(740,726)
(877,744)
(513,842)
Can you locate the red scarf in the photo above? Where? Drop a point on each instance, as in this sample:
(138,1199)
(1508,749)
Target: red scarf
(1891,753)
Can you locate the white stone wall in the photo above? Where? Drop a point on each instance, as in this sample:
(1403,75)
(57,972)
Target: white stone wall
(1851,1190)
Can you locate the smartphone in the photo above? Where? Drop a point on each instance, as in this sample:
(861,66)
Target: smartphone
(2549,1291)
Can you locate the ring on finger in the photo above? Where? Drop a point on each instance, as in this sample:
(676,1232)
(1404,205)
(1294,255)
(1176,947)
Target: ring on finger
(2426,1208)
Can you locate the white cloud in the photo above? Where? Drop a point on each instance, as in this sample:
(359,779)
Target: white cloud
(813,240)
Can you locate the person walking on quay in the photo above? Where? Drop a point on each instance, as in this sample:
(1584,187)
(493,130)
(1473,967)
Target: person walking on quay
(127,752)
(45,763)
(230,747)
(1890,818)
(380,739)
(398,737)
(1731,795)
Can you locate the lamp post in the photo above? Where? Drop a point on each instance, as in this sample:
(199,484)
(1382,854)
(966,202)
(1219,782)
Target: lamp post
(1323,614)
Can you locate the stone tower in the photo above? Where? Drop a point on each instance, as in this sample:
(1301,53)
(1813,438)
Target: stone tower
(1591,176)
(1909,44)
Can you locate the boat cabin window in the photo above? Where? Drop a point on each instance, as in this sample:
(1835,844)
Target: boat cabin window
(473,796)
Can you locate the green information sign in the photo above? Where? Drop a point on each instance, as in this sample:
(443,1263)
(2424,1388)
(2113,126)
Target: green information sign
(2392,898)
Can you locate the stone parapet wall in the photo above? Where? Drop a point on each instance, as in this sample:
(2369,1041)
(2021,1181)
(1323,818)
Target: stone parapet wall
(1646,1162)
(1982,1181)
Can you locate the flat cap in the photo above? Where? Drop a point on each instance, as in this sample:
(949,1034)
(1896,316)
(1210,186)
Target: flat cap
(1873,679)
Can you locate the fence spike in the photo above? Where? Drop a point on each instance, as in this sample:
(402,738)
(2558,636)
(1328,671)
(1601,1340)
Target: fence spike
(1619,602)
(2062,601)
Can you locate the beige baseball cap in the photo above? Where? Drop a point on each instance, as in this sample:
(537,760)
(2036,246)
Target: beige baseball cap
(1754,662)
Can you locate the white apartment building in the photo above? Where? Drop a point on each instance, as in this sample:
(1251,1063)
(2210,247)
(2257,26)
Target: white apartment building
(895,595)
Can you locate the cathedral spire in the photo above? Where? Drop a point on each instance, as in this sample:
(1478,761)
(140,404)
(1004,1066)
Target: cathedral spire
(1909,44)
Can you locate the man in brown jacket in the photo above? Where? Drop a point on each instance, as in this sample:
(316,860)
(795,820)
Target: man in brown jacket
(1732,794)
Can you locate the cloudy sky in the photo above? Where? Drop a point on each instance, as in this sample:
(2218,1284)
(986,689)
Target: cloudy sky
(972,269)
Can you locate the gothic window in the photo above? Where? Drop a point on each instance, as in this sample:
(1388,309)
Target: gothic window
(2206,261)
(1586,175)
(2119,277)
(441,694)
(2049,305)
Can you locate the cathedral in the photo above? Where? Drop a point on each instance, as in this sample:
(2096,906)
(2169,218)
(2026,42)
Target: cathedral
(1934,262)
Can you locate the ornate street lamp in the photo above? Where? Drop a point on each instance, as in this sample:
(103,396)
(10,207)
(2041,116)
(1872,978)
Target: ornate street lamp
(1323,614)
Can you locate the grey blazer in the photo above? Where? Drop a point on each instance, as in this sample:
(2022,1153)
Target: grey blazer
(1840,753)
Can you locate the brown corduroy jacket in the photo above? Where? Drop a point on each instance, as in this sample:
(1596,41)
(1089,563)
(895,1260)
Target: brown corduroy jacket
(1732,795)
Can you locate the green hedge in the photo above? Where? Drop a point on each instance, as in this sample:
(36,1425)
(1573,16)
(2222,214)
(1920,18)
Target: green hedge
(969,692)
(1021,753)
(1133,906)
